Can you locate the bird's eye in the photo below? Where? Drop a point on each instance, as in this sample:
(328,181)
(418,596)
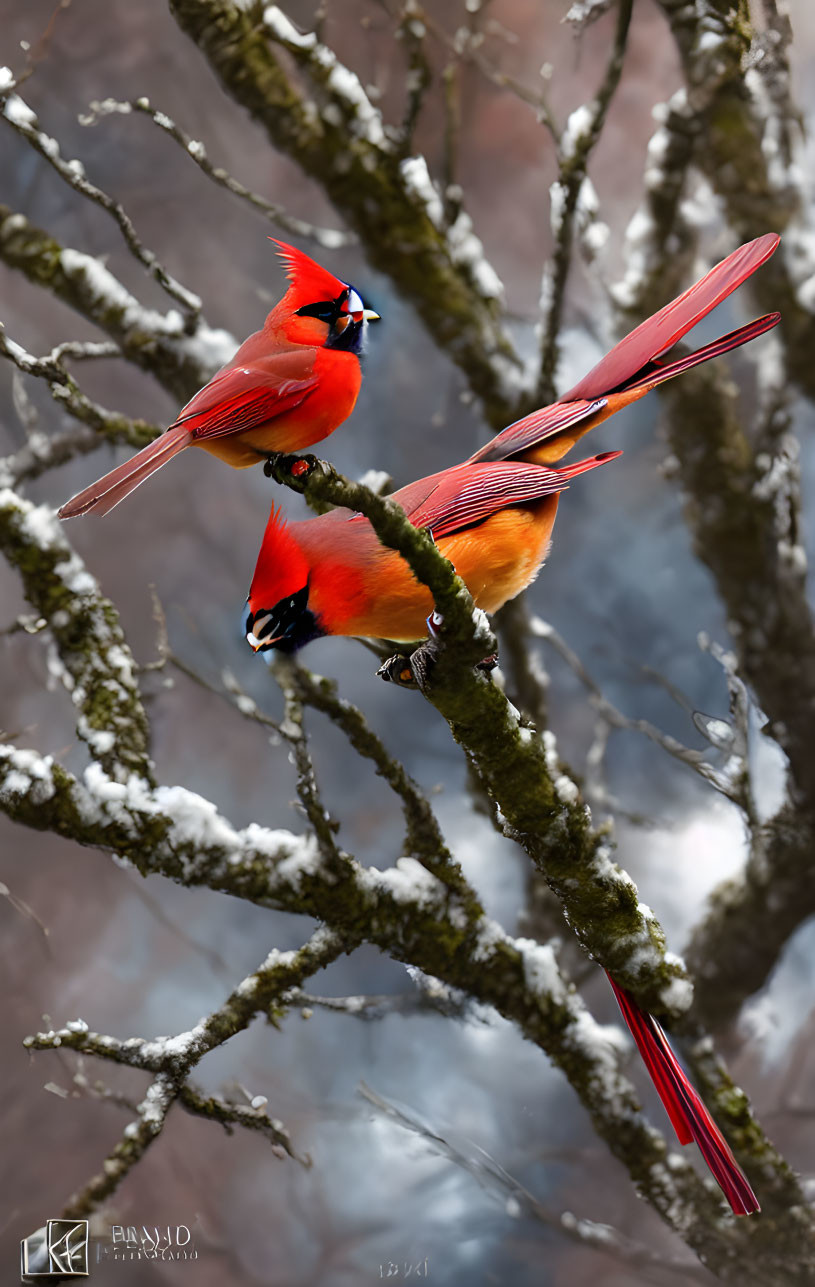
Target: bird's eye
(325,311)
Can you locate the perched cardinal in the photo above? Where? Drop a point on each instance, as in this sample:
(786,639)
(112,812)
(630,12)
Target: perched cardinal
(330,576)
(492,516)
(689,1117)
(289,385)
(632,367)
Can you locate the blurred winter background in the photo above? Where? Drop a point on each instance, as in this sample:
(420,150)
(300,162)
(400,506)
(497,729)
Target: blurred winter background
(622,586)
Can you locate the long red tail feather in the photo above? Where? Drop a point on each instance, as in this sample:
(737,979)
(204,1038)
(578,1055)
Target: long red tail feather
(107,491)
(689,1117)
(665,328)
(725,344)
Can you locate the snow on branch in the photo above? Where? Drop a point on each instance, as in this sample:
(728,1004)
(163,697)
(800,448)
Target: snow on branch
(541,807)
(348,104)
(23,120)
(402,909)
(573,202)
(156,342)
(343,144)
(172,1060)
(328,238)
(42,452)
(91,657)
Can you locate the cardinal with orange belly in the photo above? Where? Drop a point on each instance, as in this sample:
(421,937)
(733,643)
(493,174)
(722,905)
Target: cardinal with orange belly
(493,517)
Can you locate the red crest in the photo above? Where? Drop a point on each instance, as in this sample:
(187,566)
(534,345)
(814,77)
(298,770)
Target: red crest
(310,282)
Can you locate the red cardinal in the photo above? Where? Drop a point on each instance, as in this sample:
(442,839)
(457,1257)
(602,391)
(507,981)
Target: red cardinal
(330,576)
(632,368)
(289,385)
(492,516)
(689,1117)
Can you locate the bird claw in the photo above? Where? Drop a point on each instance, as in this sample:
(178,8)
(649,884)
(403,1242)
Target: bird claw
(278,464)
(412,671)
(487,664)
(397,670)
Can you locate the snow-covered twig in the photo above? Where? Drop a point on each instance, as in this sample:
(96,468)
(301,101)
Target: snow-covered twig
(412,32)
(22,119)
(573,199)
(42,452)
(328,238)
(429,996)
(91,659)
(131,1148)
(156,342)
(172,1059)
(346,102)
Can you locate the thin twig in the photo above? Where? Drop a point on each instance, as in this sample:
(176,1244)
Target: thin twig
(328,238)
(24,121)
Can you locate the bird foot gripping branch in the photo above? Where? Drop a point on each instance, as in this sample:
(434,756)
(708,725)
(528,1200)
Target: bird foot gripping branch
(286,468)
(290,384)
(413,671)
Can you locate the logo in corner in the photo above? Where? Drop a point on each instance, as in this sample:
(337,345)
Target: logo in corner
(59,1250)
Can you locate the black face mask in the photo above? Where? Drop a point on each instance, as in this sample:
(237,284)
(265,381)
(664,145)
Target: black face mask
(350,338)
(286,627)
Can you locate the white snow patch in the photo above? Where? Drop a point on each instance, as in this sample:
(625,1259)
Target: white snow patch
(709,40)
(375,479)
(419,184)
(210,347)
(602,1045)
(285,30)
(18,112)
(677,995)
(177,1047)
(541,969)
(29,775)
(566,790)
(345,84)
(407,882)
(467,249)
(577,127)
(490,935)
(110,292)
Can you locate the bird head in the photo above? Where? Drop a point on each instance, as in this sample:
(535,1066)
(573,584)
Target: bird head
(319,309)
(277,611)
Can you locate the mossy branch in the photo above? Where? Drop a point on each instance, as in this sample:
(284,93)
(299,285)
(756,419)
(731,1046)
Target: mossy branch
(366,180)
(540,805)
(95,663)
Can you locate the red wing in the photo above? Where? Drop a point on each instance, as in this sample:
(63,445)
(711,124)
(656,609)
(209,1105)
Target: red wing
(534,428)
(247,396)
(469,493)
(660,332)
